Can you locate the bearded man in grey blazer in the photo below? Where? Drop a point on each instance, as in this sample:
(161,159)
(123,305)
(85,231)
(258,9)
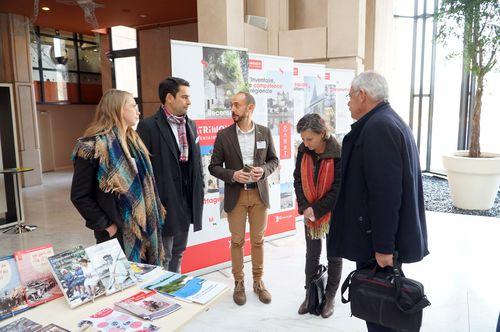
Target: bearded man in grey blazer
(243,157)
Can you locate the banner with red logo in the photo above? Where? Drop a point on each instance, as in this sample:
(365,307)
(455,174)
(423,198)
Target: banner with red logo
(215,74)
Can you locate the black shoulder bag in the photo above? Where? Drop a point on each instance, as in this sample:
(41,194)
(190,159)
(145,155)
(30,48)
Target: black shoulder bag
(386,297)
(316,291)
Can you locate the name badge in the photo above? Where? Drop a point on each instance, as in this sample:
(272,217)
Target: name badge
(261,145)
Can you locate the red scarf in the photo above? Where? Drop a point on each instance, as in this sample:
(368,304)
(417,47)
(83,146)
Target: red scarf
(315,191)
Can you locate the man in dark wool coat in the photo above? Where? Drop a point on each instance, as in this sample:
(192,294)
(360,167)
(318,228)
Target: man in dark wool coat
(380,207)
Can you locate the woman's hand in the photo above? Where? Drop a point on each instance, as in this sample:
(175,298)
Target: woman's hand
(112,230)
(309,214)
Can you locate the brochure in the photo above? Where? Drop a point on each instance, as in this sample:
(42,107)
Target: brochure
(12,292)
(109,320)
(36,275)
(76,276)
(148,305)
(21,325)
(112,266)
(184,287)
(145,271)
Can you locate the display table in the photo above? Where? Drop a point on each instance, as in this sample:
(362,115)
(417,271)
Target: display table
(59,312)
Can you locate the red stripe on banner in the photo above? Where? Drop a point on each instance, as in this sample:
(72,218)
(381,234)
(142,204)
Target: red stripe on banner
(211,253)
(280,222)
(295,71)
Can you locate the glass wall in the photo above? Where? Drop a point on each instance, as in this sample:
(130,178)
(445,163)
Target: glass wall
(66,67)
(425,86)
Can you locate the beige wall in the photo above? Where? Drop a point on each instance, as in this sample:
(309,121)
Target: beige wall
(60,126)
(155,58)
(326,31)
(306,14)
(303,44)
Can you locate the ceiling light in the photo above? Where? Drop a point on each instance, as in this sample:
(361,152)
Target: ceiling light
(143,15)
(46,8)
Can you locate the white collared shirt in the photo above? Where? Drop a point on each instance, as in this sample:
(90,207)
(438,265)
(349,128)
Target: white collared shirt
(247,144)
(175,128)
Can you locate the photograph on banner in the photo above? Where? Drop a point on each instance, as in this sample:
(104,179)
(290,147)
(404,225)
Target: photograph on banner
(225,73)
(309,92)
(271,83)
(337,85)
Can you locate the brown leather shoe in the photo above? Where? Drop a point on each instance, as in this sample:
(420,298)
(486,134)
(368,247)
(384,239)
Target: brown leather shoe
(303,308)
(260,289)
(239,296)
(327,310)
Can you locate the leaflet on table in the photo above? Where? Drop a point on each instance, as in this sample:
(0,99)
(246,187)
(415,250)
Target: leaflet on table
(36,276)
(12,292)
(75,275)
(112,320)
(21,325)
(144,271)
(184,287)
(113,268)
(148,305)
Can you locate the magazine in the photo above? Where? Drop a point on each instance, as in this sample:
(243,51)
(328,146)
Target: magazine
(144,271)
(184,287)
(21,325)
(76,277)
(36,276)
(148,305)
(111,265)
(12,294)
(53,328)
(111,320)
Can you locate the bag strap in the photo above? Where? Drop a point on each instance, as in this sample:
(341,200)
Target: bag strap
(345,285)
(398,273)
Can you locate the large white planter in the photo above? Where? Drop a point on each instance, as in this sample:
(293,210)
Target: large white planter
(473,181)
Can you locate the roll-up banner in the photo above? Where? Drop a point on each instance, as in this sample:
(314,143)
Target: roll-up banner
(215,74)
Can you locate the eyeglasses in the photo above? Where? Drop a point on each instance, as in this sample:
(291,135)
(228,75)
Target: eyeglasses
(349,95)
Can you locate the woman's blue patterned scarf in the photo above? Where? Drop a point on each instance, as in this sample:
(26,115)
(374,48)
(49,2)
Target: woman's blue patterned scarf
(134,185)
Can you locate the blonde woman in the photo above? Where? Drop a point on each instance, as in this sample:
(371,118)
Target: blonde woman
(113,186)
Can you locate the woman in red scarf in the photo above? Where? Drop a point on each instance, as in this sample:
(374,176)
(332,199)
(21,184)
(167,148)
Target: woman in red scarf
(317,182)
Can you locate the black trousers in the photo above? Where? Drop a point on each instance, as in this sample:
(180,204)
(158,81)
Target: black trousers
(175,245)
(313,253)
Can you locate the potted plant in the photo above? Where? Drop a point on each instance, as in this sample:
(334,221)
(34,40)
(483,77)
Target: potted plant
(473,176)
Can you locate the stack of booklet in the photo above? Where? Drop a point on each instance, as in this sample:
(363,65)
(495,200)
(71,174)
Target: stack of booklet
(148,305)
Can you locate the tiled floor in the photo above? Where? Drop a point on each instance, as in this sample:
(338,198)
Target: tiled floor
(461,275)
